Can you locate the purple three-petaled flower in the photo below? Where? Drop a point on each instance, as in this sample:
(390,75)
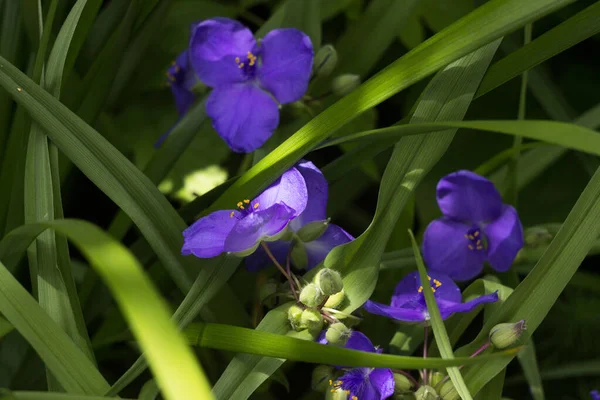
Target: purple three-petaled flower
(595,395)
(240,231)
(249,79)
(476,227)
(408,301)
(316,250)
(181,79)
(363,383)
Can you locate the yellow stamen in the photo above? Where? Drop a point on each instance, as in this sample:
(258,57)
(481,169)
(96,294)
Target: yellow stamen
(242,208)
(470,247)
(239,204)
(478,243)
(420,289)
(479,247)
(231,215)
(433,290)
(237,60)
(476,233)
(241,65)
(247,201)
(255,206)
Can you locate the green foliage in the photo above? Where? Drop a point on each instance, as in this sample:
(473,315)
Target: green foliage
(83,100)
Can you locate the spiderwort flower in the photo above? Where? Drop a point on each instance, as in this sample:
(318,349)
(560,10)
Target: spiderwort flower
(181,79)
(249,79)
(476,227)
(408,301)
(363,383)
(316,210)
(595,395)
(241,231)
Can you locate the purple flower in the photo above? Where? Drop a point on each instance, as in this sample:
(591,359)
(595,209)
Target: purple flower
(241,231)
(595,395)
(364,383)
(249,79)
(181,79)
(316,250)
(408,300)
(476,227)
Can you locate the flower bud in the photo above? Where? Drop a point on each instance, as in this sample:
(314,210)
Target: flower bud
(329,281)
(311,295)
(402,383)
(404,396)
(426,393)
(448,391)
(335,299)
(344,84)
(507,334)
(536,236)
(325,61)
(436,378)
(312,320)
(299,256)
(312,230)
(294,315)
(321,376)
(338,334)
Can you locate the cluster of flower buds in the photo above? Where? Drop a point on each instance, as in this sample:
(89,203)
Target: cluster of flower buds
(326,291)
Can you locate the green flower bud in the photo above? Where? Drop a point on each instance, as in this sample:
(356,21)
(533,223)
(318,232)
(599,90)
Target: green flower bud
(325,61)
(335,299)
(536,236)
(404,396)
(338,334)
(426,393)
(448,392)
(329,281)
(344,84)
(507,334)
(312,231)
(299,256)
(312,320)
(436,378)
(311,295)
(402,383)
(294,315)
(321,376)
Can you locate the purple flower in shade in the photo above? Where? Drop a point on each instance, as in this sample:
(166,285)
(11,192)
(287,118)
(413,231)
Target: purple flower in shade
(476,227)
(181,79)
(363,383)
(241,231)
(595,395)
(249,79)
(408,300)
(315,210)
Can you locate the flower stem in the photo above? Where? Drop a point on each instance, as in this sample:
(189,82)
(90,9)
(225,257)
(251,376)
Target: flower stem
(475,354)
(425,338)
(283,271)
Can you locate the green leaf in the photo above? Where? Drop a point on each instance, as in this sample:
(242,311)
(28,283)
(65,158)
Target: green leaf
(552,273)
(528,362)
(480,27)
(564,134)
(243,340)
(174,366)
(437,324)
